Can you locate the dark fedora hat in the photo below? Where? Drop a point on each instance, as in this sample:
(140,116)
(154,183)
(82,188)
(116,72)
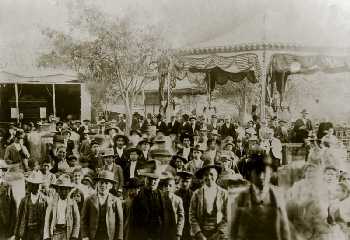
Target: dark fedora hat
(198,148)
(105,176)
(133,149)
(175,157)
(199,174)
(185,174)
(125,138)
(145,140)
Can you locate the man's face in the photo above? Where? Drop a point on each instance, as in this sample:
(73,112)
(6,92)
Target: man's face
(33,188)
(63,192)
(134,156)
(179,163)
(103,187)
(210,177)
(185,183)
(304,115)
(77,177)
(72,162)
(120,142)
(212,145)
(197,154)
(214,119)
(187,142)
(145,146)
(193,121)
(226,163)
(331,176)
(112,132)
(152,183)
(108,160)
(169,187)
(61,153)
(227,121)
(95,148)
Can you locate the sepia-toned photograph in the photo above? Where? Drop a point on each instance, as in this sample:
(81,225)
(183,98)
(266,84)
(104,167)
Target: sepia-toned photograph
(174,120)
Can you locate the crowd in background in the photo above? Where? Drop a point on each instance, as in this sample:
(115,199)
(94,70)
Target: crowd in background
(170,179)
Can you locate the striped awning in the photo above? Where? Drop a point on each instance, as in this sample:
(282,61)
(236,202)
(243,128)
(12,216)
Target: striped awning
(223,68)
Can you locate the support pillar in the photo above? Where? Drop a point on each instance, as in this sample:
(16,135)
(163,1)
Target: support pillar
(54,100)
(17,104)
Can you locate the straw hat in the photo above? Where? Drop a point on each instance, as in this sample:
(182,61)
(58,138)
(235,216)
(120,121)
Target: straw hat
(199,174)
(63,181)
(35,178)
(156,171)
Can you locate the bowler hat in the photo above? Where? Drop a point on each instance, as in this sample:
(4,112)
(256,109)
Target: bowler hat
(134,149)
(199,174)
(145,140)
(304,111)
(155,171)
(198,148)
(106,176)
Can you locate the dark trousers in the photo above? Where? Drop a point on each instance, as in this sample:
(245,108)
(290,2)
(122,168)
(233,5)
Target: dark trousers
(33,234)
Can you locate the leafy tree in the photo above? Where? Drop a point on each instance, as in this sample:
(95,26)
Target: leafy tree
(110,54)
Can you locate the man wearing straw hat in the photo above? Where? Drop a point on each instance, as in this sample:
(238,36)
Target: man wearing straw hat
(147,210)
(102,216)
(7,205)
(31,212)
(62,218)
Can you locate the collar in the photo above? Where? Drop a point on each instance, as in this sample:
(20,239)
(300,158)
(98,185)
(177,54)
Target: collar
(102,199)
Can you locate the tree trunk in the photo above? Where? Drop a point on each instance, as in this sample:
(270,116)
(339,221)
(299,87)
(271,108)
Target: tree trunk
(128,112)
(242,109)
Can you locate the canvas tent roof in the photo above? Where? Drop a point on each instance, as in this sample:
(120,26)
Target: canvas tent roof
(38,78)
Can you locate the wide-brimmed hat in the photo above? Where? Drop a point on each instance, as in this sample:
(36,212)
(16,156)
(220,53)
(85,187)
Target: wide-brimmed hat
(185,174)
(145,140)
(133,149)
(63,181)
(110,127)
(198,148)
(155,170)
(133,183)
(125,138)
(105,176)
(193,117)
(199,174)
(106,152)
(175,157)
(138,132)
(88,179)
(234,179)
(35,177)
(159,139)
(59,123)
(185,135)
(215,132)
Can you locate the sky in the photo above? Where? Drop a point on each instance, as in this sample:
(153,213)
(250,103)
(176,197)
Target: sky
(184,23)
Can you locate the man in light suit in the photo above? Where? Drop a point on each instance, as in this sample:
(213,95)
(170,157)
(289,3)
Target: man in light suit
(176,218)
(102,215)
(208,208)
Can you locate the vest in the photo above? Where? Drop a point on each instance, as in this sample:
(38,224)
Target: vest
(101,233)
(32,220)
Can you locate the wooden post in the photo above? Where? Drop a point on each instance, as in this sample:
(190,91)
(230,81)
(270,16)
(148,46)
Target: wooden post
(54,99)
(17,104)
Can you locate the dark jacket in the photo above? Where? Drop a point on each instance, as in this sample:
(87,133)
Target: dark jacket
(245,224)
(301,130)
(114,218)
(174,129)
(22,216)
(141,225)
(228,131)
(8,210)
(162,127)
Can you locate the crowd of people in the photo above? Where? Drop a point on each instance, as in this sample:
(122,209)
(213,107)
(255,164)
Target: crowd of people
(188,178)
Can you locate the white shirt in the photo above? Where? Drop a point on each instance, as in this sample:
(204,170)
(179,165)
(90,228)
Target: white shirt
(198,163)
(18,146)
(210,195)
(34,198)
(132,169)
(120,152)
(61,211)
(212,154)
(102,199)
(145,154)
(186,152)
